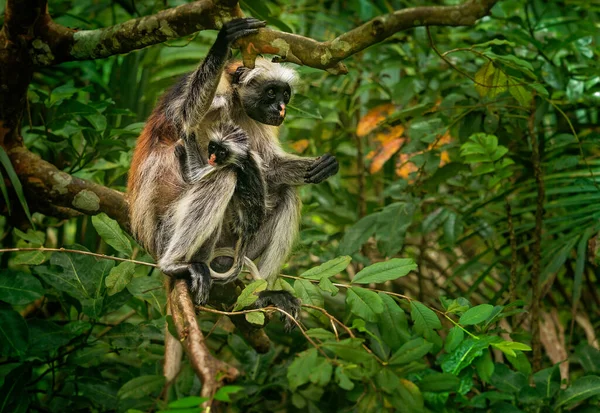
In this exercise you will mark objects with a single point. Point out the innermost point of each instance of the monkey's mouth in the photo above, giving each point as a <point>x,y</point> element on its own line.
<point>212,161</point>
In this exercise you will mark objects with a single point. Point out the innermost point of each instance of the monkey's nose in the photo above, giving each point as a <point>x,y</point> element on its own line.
<point>282,110</point>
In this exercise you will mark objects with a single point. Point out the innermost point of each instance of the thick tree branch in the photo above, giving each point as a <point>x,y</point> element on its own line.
<point>68,44</point>
<point>46,185</point>
<point>328,55</point>
<point>211,370</point>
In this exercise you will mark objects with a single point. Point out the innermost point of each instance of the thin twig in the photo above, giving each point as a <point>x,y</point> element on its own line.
<point>270,309</point>
<point>346,328</point>
<point>108,257</point>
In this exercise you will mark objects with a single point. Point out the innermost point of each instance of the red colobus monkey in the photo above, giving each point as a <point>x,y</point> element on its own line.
<point>254,100</point>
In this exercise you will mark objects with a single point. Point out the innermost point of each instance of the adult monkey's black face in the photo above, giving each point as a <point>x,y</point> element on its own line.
<point>267,102</point>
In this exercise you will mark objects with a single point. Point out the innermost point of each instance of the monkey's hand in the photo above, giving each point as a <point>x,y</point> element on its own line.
<point>238,28</point>
<point>322,168</point>
<point>282,300</point>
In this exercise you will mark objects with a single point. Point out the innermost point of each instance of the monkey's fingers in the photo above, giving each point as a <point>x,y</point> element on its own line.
<point>321,169</point>
<point>284,301</point>
<point>236,29</point>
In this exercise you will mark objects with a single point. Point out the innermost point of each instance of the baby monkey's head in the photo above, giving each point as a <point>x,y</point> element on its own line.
<point>228,145</point>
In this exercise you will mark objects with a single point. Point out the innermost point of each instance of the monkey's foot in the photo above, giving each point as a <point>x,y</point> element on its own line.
<point>322,168</point>
<point>282,300</point>
<point>199,283</point>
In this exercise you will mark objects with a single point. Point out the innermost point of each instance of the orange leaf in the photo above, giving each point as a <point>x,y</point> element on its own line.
<point>445,139</point>
<point>384,154</point>
<point>444,158</point>
<point>404,167</point>
<point>390,134</point>
<point>300,146</point>
<point>373,118</point>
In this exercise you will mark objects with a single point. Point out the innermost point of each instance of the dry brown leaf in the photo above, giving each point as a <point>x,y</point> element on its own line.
<point>373,118</point>
<point>300,146</point>
<point>404,167</point>
<point>552,334</point>
<point>385,153</point>
<point>390,134</point>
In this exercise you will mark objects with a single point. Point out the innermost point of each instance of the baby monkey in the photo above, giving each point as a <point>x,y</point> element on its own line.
<point>232,189</point>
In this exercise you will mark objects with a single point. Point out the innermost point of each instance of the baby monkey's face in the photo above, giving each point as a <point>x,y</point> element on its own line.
<point>218,154</point>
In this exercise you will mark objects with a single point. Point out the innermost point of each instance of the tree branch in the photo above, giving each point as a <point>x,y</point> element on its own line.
<point>47,185</point>
<point>211,370</point>
<point>328,55</point>
<point>68,44</point>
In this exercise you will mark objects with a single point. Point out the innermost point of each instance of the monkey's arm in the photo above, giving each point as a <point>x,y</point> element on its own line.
<point>193,168</point>
<point>287,169</point>
<point>194,96</point>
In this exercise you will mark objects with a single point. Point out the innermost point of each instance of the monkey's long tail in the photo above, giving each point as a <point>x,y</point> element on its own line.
<point>239,260</point>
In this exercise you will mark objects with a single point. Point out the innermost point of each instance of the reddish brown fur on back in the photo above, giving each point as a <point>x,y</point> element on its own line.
<point>158,131</point>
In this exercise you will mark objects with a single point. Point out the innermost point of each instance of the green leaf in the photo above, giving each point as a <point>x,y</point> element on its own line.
<point>35,238</point>
<point>424,318</point>
<point>439,383</point>
<point>223,393</point>
<point>46,337</point>
<point>364,303</point>
<point>19,288</point>
<point>358,234</point>
<point>455,336</point>
<point>485,366</point>
<point>304,107</point>
<point>141,386</point>
<point>520,93</point>
<point>411,351</point>
<point>495,42</point>
<point>548,380</point>
<point>392,323</point>
<point>483,77</point>
<point>328,286</point>
<point>187,402</point>
<point>342,379</point>
<point>257,318</point>
<point>581,389</point>
<point>509,347</point>
<point>320,333</point>
<point>250,294</point>
<point>349,349</point>
<point>321,374</point>
<point>119,277</point>
<point>29,258</point>
<point>464,355</point>
<point>327,269</point>
<point>80,276</point>
<point>506,380</point>
<point>299,371</point>
<point>112,234</point>
<point>16,184</point>
<point>310,294</point>
<point>14,334</point>
<point>63,92</point>
<point>476,315</point>
<point>385,271</point>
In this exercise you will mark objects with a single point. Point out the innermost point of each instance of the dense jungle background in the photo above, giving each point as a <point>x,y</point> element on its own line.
<point>451,265</point>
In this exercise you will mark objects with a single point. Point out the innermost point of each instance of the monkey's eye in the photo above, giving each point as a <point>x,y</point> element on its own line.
<point>286,96</point>
<point>270,93</point>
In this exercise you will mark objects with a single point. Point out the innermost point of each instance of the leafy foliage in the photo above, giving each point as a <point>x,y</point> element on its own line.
<point>413,263</point>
